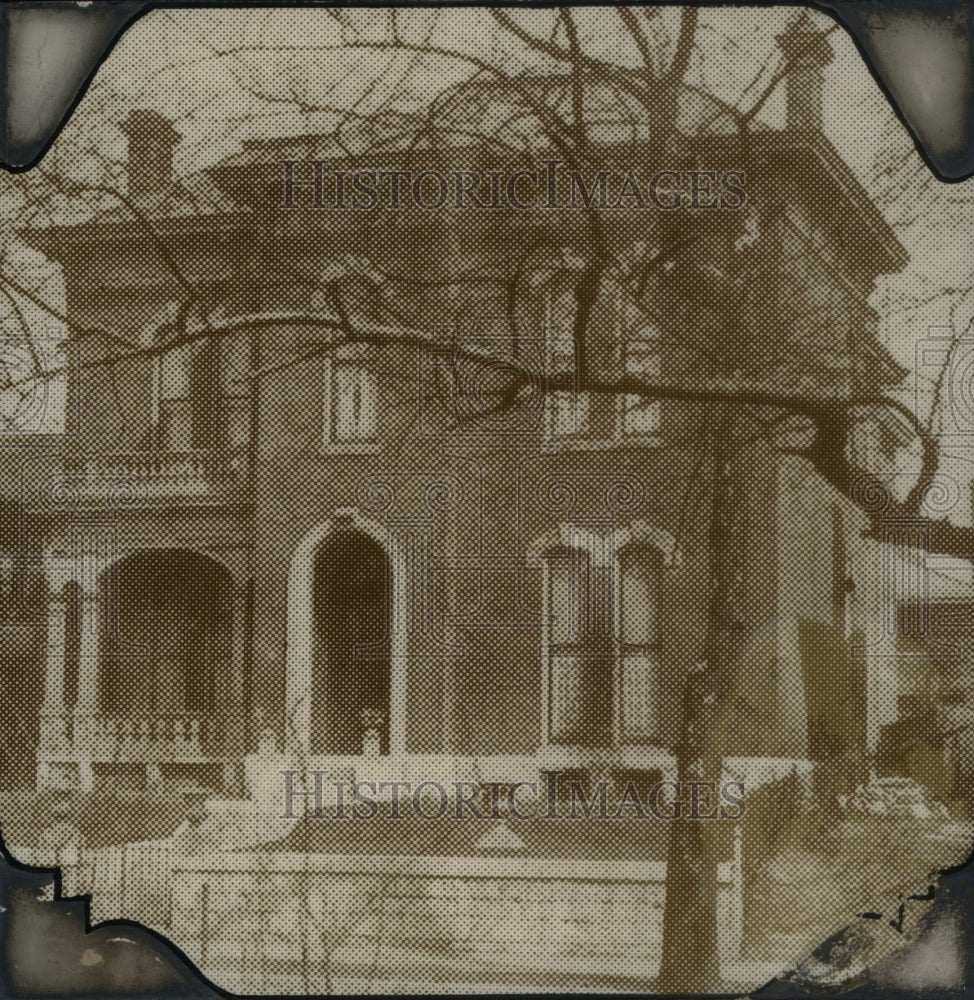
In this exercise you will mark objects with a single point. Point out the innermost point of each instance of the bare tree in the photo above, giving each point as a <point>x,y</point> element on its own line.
<point>545,84</point>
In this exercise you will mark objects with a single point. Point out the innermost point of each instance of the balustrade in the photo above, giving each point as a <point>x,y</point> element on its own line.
<point>158,737</point>
<point>147,474</point>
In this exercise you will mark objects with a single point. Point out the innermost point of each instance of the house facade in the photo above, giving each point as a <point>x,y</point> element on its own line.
<point>264,544</point>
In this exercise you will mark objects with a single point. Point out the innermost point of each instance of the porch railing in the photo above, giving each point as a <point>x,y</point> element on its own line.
<point>176,736</point>
<point>144,475</point>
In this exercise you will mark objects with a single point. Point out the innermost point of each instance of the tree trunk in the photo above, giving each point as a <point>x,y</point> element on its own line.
<point>690,961</point>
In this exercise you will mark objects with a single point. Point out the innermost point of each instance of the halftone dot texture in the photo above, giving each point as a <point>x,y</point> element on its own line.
<point>456,398</point>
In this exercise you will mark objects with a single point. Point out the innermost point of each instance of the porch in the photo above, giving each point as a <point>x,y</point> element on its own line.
<point>217,475</point>
<point>139,750</point>
<point>145,674</point>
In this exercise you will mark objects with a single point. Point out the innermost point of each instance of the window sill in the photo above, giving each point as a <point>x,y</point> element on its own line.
<point>642,757</point>
<point>351,448</point>
<point>606,444</point>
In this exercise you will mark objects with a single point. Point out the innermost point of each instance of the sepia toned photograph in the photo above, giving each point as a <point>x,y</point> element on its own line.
<point>487,507</point>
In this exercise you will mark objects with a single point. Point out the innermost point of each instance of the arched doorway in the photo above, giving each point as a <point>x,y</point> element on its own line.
<point>351,674</point>
<point>166,634</point>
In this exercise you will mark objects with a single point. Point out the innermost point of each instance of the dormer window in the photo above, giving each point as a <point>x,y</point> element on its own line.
<point>350,397</point>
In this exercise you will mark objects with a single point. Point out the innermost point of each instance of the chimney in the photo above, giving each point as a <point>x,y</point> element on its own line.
<point>151,140</point>
<point>806,50</point>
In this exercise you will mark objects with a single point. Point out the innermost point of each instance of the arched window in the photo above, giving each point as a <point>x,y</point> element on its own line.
<point>601,642</point>
<point>579,648</point>
<point>639,576</point>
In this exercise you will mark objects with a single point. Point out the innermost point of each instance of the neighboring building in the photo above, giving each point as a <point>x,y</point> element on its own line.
<point>243,534</point>
<point>932,737</point>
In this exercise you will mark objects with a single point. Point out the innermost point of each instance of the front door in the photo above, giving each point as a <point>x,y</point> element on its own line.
<point>350,692</point>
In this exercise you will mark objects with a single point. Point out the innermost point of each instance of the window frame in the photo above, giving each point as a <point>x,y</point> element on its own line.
<point>362,361</point>
<point>587,545</point>
<point>581,437</point>
<point>226,405</point>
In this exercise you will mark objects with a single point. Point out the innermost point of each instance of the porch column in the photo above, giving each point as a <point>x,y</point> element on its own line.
<point>449,607</point>
<point>88,694</point>
<point>54,656</point>
<point>237,736</point>
<point>410,546</point>
<point>87,703</point>
<point>52,735</point>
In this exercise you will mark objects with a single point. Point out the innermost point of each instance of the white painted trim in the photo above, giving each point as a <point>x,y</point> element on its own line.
<point>330,443</point>
<point>636,532</point>
<point>593,542</point>
<point>300,632</point>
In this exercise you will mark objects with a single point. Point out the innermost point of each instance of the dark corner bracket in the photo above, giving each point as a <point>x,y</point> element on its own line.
<point>921,53</point>
<point>50,53</point>
<point>49,947</point>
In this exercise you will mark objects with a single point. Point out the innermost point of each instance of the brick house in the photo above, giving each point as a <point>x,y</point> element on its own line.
<point>247,542</point>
